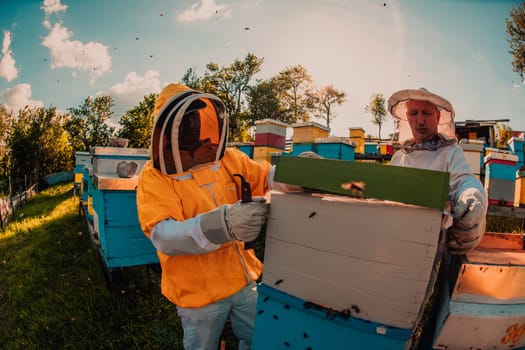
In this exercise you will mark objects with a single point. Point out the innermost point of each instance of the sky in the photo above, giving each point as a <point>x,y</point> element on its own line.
<point>59,52</point>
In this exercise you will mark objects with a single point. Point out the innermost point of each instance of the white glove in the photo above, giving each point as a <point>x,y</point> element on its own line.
<point>241,221</point>
<point>468,225</point>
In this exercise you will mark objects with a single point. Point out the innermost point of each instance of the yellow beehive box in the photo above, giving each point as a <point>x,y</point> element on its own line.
<point>264,153</point>
<point>308,132</point>
<point>357,135</point>
<point>357,132</point>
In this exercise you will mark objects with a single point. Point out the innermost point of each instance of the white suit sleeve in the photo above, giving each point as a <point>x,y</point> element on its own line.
<point>173,237</point>
<point>469,206</point>
<point>461,177</point>
<point>467,196</point>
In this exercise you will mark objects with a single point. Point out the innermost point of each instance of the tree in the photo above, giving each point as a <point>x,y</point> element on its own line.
<point>377,108</point>
<point>293,86</point>
<point>138,122</point>
<point>264,102</point>
<point>230,84</point>
<point>516,38</point>
<point>5,123</point>
<point>38,145</point>
<point>322,101</point>
<point>88,126</point>
<point>191,79</point>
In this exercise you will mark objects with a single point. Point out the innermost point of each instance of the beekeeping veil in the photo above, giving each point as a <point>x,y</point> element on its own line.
<point>183,114</point>
<point>397,106</point>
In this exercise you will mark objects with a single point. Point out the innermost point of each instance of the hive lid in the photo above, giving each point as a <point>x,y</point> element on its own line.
<point>427,188</point>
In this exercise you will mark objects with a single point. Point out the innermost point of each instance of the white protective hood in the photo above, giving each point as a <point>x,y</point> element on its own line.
<point>397,107</point>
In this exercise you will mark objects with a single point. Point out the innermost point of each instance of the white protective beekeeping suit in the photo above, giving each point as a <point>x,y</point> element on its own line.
<point>467,196</point>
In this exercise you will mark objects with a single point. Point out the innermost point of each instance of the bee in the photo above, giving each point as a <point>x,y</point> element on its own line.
<point>356,188</point>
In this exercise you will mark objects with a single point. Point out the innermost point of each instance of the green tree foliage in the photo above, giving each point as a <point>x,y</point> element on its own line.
<point>323,100</point>
<point>516,38</point>
<point>294,83</point>
<point>38,145</point>
<point>138,122</point>
<point>5,154</point>
<point>264,102</point>
<point>88,125</point>
<point>5,125</point>
<point>231,85</point>
<point>377,108</point>
<point>192,80</point>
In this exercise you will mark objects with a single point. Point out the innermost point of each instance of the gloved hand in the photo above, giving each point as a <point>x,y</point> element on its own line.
<point>245,220</point>
<point>468,225</point>
<point>241,221</point>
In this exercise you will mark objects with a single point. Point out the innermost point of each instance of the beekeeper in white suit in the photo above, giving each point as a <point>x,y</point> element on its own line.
<point>428,141</point>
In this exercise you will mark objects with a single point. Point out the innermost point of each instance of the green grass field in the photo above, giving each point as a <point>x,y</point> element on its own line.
<point>53,292</point>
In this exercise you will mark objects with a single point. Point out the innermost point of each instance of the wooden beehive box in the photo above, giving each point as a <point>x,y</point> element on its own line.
<point>122,241</point>
<point>82,159</point>
<point>308,132</point>
<point>269,132</point>
<point>486,309</point>
<point>115,218</point>
<point>106,159</point>
<point>374,253</point>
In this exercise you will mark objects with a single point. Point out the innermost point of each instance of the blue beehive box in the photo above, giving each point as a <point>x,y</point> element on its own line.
<point>371,148</point>
<point>244,147</point>
<point>299,148</point>
<point>85,188</point>
<point>82,159</point>
<point>87,192</point>
<point>516,145</point>
<point>335,150</point>
<point>501,166</point>
<point>115,217</point>
<point>247,149</point>
<point>500,177</point>
<point>283,321</point>
<point>326,149</point>
<point>121,239</point>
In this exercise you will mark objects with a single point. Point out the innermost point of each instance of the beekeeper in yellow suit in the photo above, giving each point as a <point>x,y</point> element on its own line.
<point>189,206</point>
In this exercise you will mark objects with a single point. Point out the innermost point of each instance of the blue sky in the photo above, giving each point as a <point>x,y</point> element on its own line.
<point>58,52</point>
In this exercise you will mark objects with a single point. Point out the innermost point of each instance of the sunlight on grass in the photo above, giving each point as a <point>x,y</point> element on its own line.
<point>30,218</point>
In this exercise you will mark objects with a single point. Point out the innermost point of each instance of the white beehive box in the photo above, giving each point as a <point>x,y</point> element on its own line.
<point>106,159</point>
<point>371,257</point>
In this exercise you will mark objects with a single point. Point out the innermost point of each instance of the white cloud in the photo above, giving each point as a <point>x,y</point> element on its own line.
<point>203,10</point>
<point>131,92</point>
<point>135,87</point>
<point>19,97</point>
<point>52,6</point>
<point>8,69</point>
<point>66,53</point>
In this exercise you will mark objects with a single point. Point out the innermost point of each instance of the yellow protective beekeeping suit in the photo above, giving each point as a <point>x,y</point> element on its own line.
<point>196,280</point>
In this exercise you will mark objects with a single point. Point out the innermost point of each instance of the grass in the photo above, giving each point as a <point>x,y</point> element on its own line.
<point>53,292</point>
<point>504,224</point>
